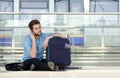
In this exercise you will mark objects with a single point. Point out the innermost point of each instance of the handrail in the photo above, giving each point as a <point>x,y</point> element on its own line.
<point>66,26</point>
<point>11,48</point>
<point>66,13</point>
<point>75,47</point>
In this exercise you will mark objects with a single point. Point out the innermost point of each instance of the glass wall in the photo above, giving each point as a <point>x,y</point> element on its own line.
<point>79,25</point>
<point>95,33</point>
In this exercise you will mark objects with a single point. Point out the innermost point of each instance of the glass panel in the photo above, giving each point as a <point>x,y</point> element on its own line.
<point>61,6</point>
<point>6,20</point>
<point>76,5</point>
<point>76,36</point>
<point>61,20</point>
<point>92,37</point>
<point>39,6</point>
<point>31,6</point>
<point>19,35</point>
<point>24,19</point>
<point>6,37</point>
<point>6,6</point>
<point>112,37</point>
<point>104,5</point>
<point>34,5</point>
<point>61,24</point>
<point>33,10</point>
<point>77,20</point>
<point>103,20</point>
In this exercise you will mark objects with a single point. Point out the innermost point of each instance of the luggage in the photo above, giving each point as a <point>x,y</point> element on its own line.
<point>58,51</point>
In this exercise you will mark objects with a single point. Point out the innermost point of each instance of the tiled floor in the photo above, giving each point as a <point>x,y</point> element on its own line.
<point>61,74</point>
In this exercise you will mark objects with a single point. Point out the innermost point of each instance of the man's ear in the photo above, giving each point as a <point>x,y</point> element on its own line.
<point>32,30</point>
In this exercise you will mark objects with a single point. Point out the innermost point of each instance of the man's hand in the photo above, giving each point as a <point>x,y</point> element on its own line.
<point>33,48</point>
<point>45,43</point>
<point>32,36</point>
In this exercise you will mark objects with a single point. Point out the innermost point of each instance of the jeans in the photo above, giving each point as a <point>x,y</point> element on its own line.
<point>39,64</point>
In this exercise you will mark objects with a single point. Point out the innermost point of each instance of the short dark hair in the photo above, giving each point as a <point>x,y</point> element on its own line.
<point>33,22</point>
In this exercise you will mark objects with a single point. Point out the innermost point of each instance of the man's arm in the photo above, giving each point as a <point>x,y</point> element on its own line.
<point>45,43</point>
<point>33,48</point>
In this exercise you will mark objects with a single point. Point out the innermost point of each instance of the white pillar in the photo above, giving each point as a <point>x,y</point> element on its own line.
<point>51,5</point>
<point>119,5</point>
<point>16,5</point>
<point>16,20</point>
<point>86,10</point>
<point>51,17</point>
<point>86,5</point>
<point>16,9</point>
<point>119,11</point>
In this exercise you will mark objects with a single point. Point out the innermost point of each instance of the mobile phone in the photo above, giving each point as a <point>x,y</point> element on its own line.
<point>35,33</point>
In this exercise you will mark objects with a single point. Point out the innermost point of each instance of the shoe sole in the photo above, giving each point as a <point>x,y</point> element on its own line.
<point>32,66</point>
<point>51,65</point>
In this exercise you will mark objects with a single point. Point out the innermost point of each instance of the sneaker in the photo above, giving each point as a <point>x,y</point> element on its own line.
<point>32,66</point>
<point>51,65</point>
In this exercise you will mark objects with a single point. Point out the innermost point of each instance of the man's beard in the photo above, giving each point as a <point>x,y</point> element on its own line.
<point>37,36</point>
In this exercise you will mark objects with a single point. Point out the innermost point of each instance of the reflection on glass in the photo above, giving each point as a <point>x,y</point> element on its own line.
<point>93,37</point>
<point>111,37</point>
<point>104,5</point>
<point>61,5</point>
<point>103,20</point>
<point>6,6</point>
<point>6,37</point>
<point>76,5</point>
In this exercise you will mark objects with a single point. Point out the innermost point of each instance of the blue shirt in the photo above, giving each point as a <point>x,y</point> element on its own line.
<point>27,44</point>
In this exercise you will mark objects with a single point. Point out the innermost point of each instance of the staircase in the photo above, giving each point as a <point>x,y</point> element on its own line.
<point>91,57</point>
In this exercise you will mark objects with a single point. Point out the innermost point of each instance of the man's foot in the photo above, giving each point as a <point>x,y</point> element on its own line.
<point>52,66</point>
<point>32,66</point>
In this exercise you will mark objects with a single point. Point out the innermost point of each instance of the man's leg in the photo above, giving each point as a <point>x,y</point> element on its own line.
<point>43,65</point>
<point>27,64</point>
<point>36,64</point>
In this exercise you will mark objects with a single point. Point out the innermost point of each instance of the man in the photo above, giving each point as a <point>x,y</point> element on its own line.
<point>34,45</point>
